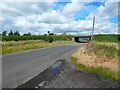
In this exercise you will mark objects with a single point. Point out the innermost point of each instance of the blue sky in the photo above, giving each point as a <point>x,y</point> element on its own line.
<point>60,17</point>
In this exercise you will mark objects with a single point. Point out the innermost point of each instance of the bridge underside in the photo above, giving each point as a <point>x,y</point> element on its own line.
<point>82,39</point>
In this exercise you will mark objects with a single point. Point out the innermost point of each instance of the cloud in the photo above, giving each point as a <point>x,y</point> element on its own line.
<point>53,17</point>
<point>40,17</point>
<point>25,8</point>
<point>72,8</point>
<point>103,15</point>
<point>110,9</point>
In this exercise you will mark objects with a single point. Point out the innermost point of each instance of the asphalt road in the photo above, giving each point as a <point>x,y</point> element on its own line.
<point>20,67</point>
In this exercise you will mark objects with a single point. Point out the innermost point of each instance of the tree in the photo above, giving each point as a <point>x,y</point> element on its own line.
<point>27,34</point>
<point>49,39</point>
<point>17,33</point>
<point>51,33</point>
<point>4,33</point>
<point>48,32</point>
<point>64,33</point>
<point>11,33</point>
<point>45,34</point>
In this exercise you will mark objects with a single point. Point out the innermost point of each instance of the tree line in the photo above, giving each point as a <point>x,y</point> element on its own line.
<point>16,33</point>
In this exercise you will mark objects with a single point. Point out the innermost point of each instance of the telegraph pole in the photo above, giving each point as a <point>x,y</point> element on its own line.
<point>93,27</point>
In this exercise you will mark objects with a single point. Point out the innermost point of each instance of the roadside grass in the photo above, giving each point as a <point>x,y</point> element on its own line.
<point>68,42</point>
<point>108,50</point>
<point>13,46</point>
<point>65,42</point>
<point>106,45</point>
<point>100,71</point>
<point>9,47</point>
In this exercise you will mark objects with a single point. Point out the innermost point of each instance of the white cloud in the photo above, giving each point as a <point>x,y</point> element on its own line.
<point>38,18</point>
<point>103,14</point>
<point>53,17</point>
<point>25,8</point>
<point>110,9</point>
<point>72,8</point>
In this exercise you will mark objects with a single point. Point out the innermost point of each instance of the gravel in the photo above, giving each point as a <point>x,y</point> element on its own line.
<point>72,78</point>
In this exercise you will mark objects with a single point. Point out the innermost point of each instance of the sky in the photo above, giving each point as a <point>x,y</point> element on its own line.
<point>70,17</point>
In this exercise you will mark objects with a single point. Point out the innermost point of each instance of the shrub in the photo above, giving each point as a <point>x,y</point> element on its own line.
<point>50,39</point>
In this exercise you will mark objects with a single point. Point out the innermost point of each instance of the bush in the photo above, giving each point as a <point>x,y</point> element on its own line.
<point>50,40</point>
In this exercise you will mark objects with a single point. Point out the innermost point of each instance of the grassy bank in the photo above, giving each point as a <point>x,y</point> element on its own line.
<point>108,50</point>
<point>100,71</point>
<point>106,45</point>
<point>100,57</point>
<point>13,47</point>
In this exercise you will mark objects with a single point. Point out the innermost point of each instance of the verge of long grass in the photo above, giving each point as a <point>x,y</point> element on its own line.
<point>108,51</point>
<point>100,71</point>
<point>13,47</point>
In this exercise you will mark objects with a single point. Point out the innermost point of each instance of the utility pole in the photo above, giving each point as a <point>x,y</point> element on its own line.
<point>93,27</point>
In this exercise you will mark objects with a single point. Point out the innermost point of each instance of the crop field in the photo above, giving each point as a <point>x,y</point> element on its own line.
<point>41,37</point>
<point>111,38</point>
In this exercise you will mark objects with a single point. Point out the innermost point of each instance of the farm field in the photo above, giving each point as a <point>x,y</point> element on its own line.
<point>40,37</point>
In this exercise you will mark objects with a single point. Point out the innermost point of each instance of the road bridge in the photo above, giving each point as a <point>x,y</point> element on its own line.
<point>80,39</point>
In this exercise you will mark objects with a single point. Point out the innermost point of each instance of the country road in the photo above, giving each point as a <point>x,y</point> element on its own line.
<point>20,67</point>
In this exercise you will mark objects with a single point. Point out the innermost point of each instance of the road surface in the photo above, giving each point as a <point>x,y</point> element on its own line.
<point>20,67</point>
<point>73,78</point>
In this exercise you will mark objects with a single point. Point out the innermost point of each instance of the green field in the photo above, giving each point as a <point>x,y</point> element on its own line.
<point>40,37</point>
<point>111,38</point>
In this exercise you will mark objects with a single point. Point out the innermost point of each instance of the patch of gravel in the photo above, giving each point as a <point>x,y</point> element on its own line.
<point>72,78</point>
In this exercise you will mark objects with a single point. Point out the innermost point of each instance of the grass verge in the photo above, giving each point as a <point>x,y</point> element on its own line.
<point>109,50</point>
<point>65,42</point>
<point>102,72</point>
<point>13,47</point>
<point>9,47</point>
